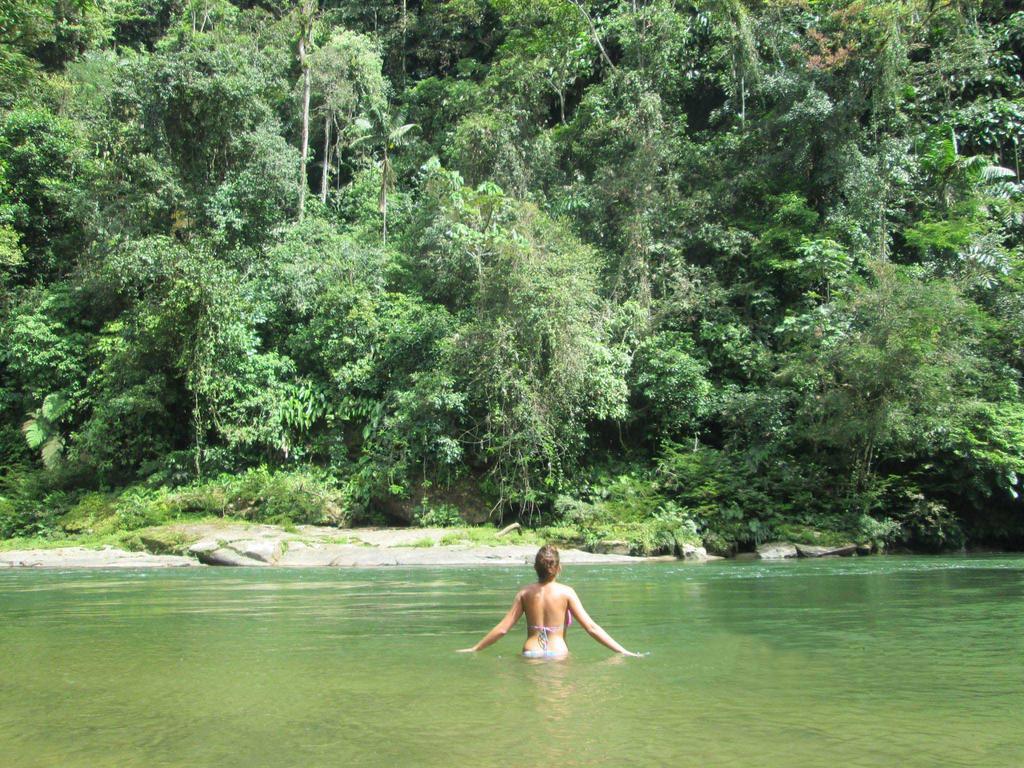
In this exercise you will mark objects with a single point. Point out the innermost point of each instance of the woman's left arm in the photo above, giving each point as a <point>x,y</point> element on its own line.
<point>502,627</point>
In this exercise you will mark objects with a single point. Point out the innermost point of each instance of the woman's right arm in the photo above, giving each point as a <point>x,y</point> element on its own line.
<point>592,627</point>
<point>502,627</point>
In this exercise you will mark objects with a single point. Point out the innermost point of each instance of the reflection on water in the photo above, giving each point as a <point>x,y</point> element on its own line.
<point>859,662</point>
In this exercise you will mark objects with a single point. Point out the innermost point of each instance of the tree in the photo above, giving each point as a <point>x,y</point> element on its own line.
<point>386,131</point>
<point>305,16</point>
<point>349,85</point>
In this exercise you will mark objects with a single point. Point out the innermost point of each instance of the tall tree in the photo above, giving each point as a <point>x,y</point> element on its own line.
<point>306,16</point>
<point>387,131</point>
<point>348,83</point>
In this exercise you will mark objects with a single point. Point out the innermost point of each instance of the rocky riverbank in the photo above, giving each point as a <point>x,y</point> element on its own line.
<point>784,550</point>
<point>304,547</point>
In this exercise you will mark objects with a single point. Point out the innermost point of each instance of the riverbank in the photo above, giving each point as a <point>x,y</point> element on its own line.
<point>307,546</point>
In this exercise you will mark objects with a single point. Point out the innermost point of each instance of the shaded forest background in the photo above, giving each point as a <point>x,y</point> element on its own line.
<point>629,269</point>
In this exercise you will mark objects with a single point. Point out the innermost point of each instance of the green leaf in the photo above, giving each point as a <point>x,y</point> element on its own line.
<point>53,451</point>
<point>35,434</point>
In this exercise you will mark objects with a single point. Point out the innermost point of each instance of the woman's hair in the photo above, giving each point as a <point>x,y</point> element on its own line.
<point>546,563</point>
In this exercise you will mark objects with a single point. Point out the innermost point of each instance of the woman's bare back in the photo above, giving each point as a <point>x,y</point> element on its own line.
<point>547,614</point>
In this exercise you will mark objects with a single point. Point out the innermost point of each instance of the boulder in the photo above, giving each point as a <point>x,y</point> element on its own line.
<point>695,554</point>
<point>776,550</point>
<point>203,546</point>
<point>716,545</point>
<point>811,550</point>
<point>612,547</point>
<point>164,541</point>
<point>241,552</point>
<point>265,550</point>
<point>227,556</point>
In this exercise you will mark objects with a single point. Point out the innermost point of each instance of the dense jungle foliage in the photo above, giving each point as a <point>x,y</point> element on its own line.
<point>638,269</point>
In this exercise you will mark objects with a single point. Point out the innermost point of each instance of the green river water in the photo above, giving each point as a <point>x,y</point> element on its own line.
<point>885,661</point>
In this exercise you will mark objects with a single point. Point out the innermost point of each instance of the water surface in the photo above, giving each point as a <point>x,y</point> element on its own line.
<point>854,662</point>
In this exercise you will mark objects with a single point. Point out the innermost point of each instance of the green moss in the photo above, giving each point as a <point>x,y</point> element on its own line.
<point>165,540</point>
<point>94,513</point>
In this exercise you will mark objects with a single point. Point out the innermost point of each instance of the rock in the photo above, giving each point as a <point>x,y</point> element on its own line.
<point>355,556</point>
<point>715,545</point>
<point>241,552</point>
<point>612,547</point>
<point>264,550</point>
<point>80,557</point>
<point>227,556</point>
<point>299,555</point>
<point>865,549</point>
<point>203,546</point>
<point>810,550</point>
<point>163,542</point>
<point>695,554</point>
<point>776,550</point>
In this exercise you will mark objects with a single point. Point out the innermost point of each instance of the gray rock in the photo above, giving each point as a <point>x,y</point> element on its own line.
<point>204,545</point>
<point>241,552</point>
<point>300,555</point>
<point>264,550</point>
<point>80,557</point>
<point>810,550</point>
<point>695,554</point>
<point>776,550</point>
<point>227,556</point>
<point>611,547</point>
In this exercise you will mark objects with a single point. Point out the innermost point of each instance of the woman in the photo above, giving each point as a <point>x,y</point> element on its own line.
<point>549,608</point>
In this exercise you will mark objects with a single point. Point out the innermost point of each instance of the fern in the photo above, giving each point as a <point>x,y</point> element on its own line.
<point>42,431</point>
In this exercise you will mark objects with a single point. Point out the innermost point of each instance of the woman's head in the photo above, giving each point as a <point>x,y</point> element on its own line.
<point>546,563</point>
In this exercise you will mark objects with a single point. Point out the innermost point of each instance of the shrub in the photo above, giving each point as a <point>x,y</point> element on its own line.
<point>441,516</point>
<point>307,497</point>
<point>630,508</point>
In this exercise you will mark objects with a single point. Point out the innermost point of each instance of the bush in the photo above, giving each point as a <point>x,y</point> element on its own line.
<point>28,505</point>
<point>441,516</point>
<point>881,534</point>
<point>932,526</point>
<point>629,508</point>
<point>307,497</point>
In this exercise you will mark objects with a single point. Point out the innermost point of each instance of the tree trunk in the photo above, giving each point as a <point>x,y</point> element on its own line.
<point>384,195</point>
<point>327,159</point>
<point>303,183</point>
<point>593,32</point>
<point>405,26</point>
<point>743,102</point>
<point>197,425</point>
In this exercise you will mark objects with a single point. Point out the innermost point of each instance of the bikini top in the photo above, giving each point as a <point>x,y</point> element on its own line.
<point>555,627</point>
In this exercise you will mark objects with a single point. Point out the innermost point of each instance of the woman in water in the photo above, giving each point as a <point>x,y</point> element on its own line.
<point>549,609</point>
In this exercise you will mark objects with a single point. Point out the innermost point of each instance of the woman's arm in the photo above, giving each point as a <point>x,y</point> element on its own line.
<point>592,627</point>
<point>502,627</point>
